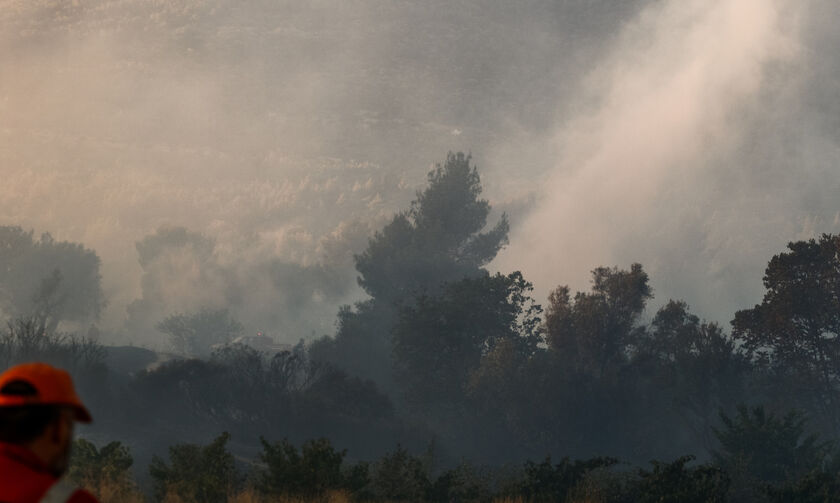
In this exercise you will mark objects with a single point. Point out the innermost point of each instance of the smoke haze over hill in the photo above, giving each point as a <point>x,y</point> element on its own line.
<point>694,137</point>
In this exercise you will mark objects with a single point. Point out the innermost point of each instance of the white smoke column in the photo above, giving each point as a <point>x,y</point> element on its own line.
<point>665,98</point>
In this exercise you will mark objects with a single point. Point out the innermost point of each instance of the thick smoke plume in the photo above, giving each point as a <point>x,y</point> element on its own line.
<point>667,160</point>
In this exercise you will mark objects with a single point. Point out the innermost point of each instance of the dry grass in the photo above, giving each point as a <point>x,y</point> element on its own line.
<point>123,491</point>
<point>251,496</point>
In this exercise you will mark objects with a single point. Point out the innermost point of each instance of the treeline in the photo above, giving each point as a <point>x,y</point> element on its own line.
<point>444,351</point>
<point>762,457</point>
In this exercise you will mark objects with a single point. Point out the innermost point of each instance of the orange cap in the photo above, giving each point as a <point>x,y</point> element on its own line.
<point>53,386</point>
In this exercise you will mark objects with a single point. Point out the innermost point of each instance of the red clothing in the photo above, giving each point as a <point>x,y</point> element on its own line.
<point>25,479</point>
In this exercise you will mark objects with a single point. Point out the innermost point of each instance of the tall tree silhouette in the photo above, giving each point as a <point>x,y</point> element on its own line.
<point>48,280</point>
<point>441,238</point>
<point>795,332</point>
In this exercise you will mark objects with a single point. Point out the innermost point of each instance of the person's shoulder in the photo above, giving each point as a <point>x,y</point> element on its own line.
<point>82,496</point>
<point>63,491</point>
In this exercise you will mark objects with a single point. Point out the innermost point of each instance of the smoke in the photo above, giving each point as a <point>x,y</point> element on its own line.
<point>669,159</point>
<point>699,141</point>
<point>286,132</point>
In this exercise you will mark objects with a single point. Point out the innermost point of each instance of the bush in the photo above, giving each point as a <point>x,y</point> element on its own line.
<point>399,476</point>
<point>27,339</point>
<point>459,484</point>
<point>759,449</point>
<point>105,472</point>
<point>553,482</point>
<point>200,474</point>
<point>816,487</point>
<point>314,470</point>
<point>675,483</point>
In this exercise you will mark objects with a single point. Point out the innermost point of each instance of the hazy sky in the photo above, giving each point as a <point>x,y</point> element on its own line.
<point>695,137</point>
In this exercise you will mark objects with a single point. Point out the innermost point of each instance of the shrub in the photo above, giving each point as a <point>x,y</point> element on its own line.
<point>553,482</point>
<point>759,449</point>
<point>310,472</point>
<point>399,476</point>
<point>105,472</point>
<point>676,483</point>
<point>199,474</point>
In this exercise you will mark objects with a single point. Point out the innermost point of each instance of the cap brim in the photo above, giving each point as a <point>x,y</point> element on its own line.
<point>82,414</point>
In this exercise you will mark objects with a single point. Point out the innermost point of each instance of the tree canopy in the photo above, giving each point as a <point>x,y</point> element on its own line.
<point>47,279</point>
<point>593,331</point>
<point>795,332</point>
<point>439,239</point>
<point>195,334</point>
<point>439,341</point>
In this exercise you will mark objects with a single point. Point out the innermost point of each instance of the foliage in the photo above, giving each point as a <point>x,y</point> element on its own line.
<point>28,339</point>
<point>462,483</point>
<point>593,332</point>
<point>695,364</point>
<point>48,280</point>
<point>440,239</point>
<point>815,487</point>
<point>759,448</point>
<point>317,473</point>
<point>196,334</point>
<point>442,349</point>
<point>795,331</point>
<point>546,481</point>
<point>101,470</point>
<point>440,341</point>
<point>312,471</point>
<point>196,473</point>
<point>583,395</point>
<point>400,476</point>
<point>243,391</point>
<point>362,345</point>
<point>676,483</point>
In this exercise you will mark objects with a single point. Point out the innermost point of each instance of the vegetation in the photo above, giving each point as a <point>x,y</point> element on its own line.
<point>196,334</point>
<point>196,473</point>
<point>48,280</point>
<point>438,240</point>
<point>447,355</point>
<point>104,471</point>
<point>318,472</point>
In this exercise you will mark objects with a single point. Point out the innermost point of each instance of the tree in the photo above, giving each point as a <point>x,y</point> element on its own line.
<point>694,364</point>
<point>106,471</point>
<point>400,476</point>
<point>47,279</point>
<point>758,448</point>
<point>462,483</point>
<point>593,332</point>
<point>584,396</point>
<point>196,473</point>
<point>196,334</point>
<point>180,273</point>
<point>310,471</point>
<point>795,332</point>
<point>439,341</point>
<point>439,239</point>
<point>27,340</point>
